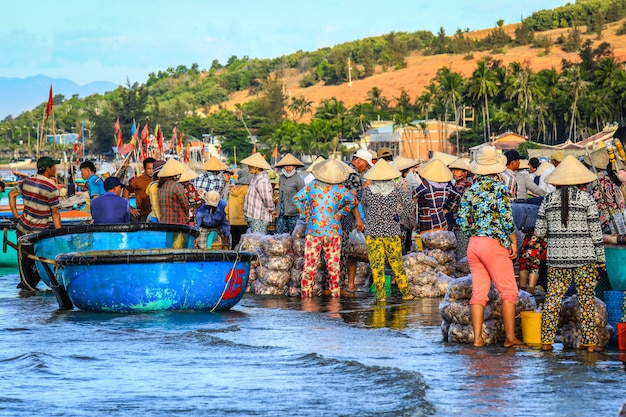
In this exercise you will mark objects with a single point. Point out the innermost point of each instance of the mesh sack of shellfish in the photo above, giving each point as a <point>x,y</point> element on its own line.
<point>258,287</point>
<point>525,302</point>
<point>276,244</point>
<point>441,256</point>
<point>299,232</point>
<point>274,278</point>
<point>462,267</point>
<point>298,245</point>
<point>278,262</point>
<point>363,275</point>
<point>424,291</point>
<point>570,312</point>
<point>572,337</point>
<point>250,242</point>
<point>418,258</point>
<point>459,311</point>
<point>443,283</point>
<point>443,240</point>
<point>447,269</point>
<point>493,332</point>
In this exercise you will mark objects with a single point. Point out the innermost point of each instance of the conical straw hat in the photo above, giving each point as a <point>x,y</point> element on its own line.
<point>188,175</point>
<point>331,171</point>
<point>459,163</point>
<point>488,161</point>
<point>214,164</point>
<point>172,168</point>
<point>600,159</point>
<point>382,171</point>
<point>435,170</point>
<point>317,161</point>
<point>401,163</point>
<point>289,160</point>
<point>570,172</point>
<point>446,158</point>
<point>256,160</point>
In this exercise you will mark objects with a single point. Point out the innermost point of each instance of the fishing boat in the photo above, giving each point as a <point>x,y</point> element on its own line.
<point>8,256</point>
<point>36,251</point>
<point>142,280</point>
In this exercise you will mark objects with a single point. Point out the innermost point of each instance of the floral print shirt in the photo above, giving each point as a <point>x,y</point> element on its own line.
<point>486,210</point>
<point>614,199</point>
<point>323,205</point>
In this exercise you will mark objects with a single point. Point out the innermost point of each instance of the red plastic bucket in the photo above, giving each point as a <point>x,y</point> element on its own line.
<point>621,335</point>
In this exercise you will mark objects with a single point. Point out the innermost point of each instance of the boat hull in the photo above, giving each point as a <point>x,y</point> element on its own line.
<point>46,245</point>
<point>130,281</point>
<point>616,265</point>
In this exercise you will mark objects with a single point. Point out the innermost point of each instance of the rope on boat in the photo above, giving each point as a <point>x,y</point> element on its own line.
<point>231,275</point>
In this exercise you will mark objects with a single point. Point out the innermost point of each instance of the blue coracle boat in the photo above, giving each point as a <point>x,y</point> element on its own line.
<point>36,251</point>
<point>127,281</point>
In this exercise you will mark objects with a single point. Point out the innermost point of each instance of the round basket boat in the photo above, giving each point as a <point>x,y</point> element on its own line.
<point>127,281</point>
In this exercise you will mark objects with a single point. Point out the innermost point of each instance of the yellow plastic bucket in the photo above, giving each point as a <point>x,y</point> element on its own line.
<point>531,327</point>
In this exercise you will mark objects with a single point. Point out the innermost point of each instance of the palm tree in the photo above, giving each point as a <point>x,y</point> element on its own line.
<point>522,89</point>
<point>575,85</point>
<point>299,107</point>
<point>361,112</point>
<point>450,86</point>
<point>483,85</point>
<point>402,119</point>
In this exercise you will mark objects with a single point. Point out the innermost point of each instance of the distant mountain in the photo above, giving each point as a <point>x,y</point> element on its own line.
<point>18,95</point>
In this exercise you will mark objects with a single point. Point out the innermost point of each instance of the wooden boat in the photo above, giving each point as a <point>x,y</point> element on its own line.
<point>8,256</point>
<point>615,252</point>
<point>36,251</point>
<point>142,280</point>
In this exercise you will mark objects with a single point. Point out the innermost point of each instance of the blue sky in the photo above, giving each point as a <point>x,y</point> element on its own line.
<point>112,40</point>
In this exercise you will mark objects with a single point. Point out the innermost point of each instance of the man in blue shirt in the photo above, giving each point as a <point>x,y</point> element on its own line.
<point>95,187</point>
<point>110,208</point>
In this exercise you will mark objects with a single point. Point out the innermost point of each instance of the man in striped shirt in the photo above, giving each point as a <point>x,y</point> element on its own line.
<point>41,199</point>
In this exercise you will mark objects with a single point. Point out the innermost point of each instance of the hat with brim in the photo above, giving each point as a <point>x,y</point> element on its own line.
<point>364,155</point>
<point>599,159</point>
<point>384,152</point>
<point>557,156</point>
<point>542,168</point>
<point>446,158</point>
<point>459,163</point>
<point>381,171</point>
<point>332,171</point>
<point>488,161</point>
<point>256,160</point>
<point>570,172</point>
<point>172,168</point>
<point>317,161</point>
<point>157,166</point>
<point>435,170</point>
<point>401,163</point>
<point>46,162</point>
<point>214,164</point>
<point>188,175</point>
<point>289,160</point>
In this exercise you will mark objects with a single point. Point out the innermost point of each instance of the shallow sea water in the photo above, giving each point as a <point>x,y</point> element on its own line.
<point>274,356</point>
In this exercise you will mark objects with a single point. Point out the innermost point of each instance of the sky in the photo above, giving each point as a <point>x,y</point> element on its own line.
<point>116,40</point>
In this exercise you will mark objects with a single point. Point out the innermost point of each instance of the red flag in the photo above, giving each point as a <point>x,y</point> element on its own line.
<point>180,139</point>
<point>50,104</point>
<point>173,142</point>
<point>254,148</point>
<point>275,153</point>
<point>145,134</point>
<point>159,136</point>
<point>119,139</point>
<point>117,125</point>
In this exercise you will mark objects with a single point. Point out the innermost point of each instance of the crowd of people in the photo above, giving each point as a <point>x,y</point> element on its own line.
<point>505,212</point>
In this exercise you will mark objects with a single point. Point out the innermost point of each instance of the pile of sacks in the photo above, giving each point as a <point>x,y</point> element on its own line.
<point>279,268</point>
<point>457,322</point>
<point>441,246</point>
<point>571,333</point>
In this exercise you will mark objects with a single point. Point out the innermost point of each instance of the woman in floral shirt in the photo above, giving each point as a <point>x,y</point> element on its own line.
<point>485,215</point>
<point>384,204</point>
<point>322,203</point>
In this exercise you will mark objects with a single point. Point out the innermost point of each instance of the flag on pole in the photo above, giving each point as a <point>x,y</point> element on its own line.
<point>145,134</point>
<point>119,139</point>
<point>50,104</point>
<point>179,148</point>
<point>159,137</point>
<point>173,142</point>
<point>134,131</point>
<point>117,125</point>
<point>275,152</point>
<point>254,148</point>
